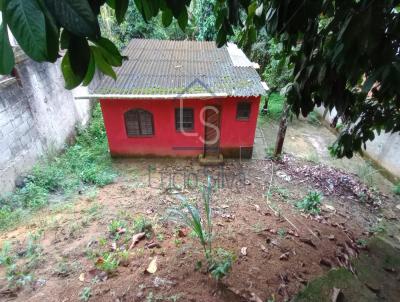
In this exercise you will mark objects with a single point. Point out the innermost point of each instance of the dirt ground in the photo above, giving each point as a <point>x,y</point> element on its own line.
<point>253,208</point>
<point>310,141</point>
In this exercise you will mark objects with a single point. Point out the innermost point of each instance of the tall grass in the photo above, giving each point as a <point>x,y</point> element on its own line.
<point>84,164</point>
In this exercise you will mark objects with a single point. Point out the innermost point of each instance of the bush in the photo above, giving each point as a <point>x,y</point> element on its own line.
<point>275,105</point>
<point>311,203</point>
<point>396,189</point>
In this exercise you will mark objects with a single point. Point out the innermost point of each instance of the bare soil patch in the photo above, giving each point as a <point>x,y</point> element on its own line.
<point>286,248</point>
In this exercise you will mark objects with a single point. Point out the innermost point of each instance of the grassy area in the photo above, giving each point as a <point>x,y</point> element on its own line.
<point>83,165</point>
<point>275,106</point>
<point>396,189</point>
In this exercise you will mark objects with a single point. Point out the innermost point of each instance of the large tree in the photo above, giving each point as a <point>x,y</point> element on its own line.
<point>345,53</point>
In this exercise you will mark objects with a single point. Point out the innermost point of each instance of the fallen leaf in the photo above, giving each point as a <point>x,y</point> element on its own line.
<point>255,298</point>
<point>82,277</point>
<point>121,231</point>
<point>152,268</point>
<point>99,261</point>
<point>284,256</point>
<point>136,238</point>
<point>243,251</point>
<point>152,245</point>
<point>263,248</point>
<point>183,233</point>
<point>308,241</point>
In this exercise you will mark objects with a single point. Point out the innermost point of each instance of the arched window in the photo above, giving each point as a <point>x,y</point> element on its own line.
<point>139,122</point>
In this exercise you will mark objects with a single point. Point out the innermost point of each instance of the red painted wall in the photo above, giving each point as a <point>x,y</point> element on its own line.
<point>166,140</point>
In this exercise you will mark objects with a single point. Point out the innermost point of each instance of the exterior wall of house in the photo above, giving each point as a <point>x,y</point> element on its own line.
<point>237,137</point>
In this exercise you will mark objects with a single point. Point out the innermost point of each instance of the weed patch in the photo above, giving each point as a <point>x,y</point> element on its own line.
<point>311,203</point>
<point>396,189</point>
<point>83,165</point>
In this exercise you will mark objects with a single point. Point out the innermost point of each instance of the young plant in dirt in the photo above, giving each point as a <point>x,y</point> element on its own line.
<point>142,225</point>
<point>311,203</point>
<point>85,294</point>
<point>116,228</point>
<point>218,264</point>
<point>108,263</point>
<point>396,189</point>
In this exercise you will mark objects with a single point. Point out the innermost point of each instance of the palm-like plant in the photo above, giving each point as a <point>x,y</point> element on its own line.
<point>190,215</point>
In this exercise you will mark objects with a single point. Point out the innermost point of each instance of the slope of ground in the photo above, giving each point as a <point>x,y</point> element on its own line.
<point>63,253</point>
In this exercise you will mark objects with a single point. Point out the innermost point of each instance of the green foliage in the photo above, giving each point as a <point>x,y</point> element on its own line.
<point>85,164</point>
<point>281,232</point>
<point>366,172</point>
<point>319,38</point>
<point>6,256</point>
<point>189,214</point>
<point>85,294</point>
<point>203,20</point>
<point>396,189</point>
<point>219,262</point>
<point>278,72</point>
<point>275,106</point>
<point>222,264</point>
<point>141,224</point>
<point>311,203</point>
<point>135,27</point>
<point>109,263</point>
<point>115,226</point>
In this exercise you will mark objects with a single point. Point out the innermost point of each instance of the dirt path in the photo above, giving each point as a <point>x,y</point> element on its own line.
<point>310,141</point>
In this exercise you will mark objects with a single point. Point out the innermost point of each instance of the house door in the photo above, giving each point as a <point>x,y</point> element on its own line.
<point>212,130</point>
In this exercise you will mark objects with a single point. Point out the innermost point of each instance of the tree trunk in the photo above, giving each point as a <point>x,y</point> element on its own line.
<point>280,138</point>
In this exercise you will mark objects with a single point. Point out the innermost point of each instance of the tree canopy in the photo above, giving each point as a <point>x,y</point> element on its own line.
<point>344,53</point>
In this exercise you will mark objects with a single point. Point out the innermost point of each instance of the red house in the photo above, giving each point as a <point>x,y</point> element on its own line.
<point>181,98</point>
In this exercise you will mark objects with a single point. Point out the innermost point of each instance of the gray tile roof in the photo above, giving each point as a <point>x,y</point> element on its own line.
<point>180,67</point>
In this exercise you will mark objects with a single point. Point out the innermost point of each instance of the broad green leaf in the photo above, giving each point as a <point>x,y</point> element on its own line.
<point>64,39</point>
<point>7,60</point>
<point>27,23</point>
<point>53,43</point>
<point>79,55</point>
<point>111,3</point>
<point>76,16</point>
<point>110,51</point>
<point>101,63</point>
<point>148,8</point>
<point>183,19</point>
<point>71,79</point>
<point>52,33</point>
<point>90,72</point>
<point>167,17</point>
<point>121,6</point>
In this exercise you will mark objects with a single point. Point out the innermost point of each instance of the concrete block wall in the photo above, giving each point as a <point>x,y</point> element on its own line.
<point>384,150</point>
<point>37,115</point>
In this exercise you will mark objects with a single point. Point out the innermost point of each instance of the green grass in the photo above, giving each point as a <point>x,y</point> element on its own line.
<point>396,189</point>
<point>311,203</point>
<point>83,165</point>
<point>275,106</point>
